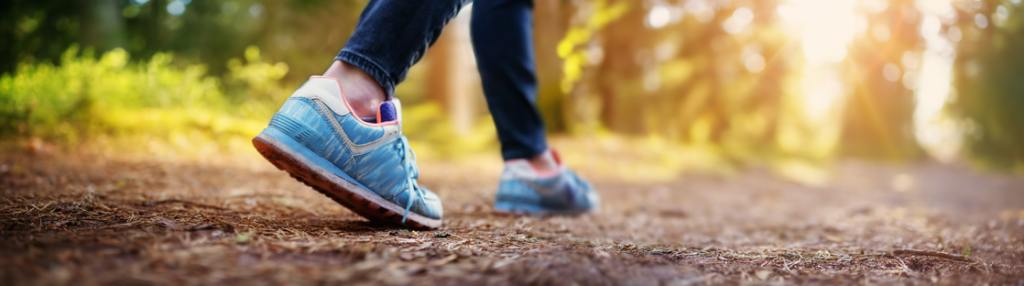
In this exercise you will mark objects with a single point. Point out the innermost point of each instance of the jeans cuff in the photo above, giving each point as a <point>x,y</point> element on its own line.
<point>370,67</point>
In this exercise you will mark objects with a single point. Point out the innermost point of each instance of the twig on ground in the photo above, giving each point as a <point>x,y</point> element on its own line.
<point>183,202</point>
<point>932,254</point>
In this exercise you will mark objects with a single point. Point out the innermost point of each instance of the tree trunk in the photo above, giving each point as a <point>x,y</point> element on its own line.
<point>451,66</point>
<point>103,28</point>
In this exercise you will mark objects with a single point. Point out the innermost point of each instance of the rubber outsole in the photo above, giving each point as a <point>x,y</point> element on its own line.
<point>363,202</point>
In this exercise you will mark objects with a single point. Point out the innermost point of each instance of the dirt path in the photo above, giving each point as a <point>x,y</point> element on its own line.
<point>86,219</point>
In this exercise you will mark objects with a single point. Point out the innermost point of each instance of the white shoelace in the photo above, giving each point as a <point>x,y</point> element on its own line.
<point>414,190</point>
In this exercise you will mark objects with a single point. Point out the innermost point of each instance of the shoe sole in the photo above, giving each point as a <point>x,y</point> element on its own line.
<point>302,164</point>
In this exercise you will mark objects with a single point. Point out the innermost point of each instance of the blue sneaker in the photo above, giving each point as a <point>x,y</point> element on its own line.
<point>523,191</point>
<point>367,167</point>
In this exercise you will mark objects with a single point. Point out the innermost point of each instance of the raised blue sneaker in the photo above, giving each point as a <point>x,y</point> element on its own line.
<point>367,167</point>
<point>522,190</point>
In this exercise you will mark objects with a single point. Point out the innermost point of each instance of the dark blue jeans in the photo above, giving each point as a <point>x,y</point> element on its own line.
<point>392,35</point>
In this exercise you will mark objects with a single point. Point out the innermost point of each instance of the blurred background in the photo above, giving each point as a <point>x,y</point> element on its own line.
<point>661,85</point>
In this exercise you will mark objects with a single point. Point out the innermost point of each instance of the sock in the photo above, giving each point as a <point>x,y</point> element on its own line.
<point>387,111</point>
<point>551,159</point>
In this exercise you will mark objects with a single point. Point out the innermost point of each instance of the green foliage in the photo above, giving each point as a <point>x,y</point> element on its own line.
<point>572,48</point>
<point>990,92</point>
<point>86,96</point>
<point>260,80</point>
<point>300,32</point>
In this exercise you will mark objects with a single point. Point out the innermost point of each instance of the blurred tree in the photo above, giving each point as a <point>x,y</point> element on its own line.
<point>579,49</point>
<point>987,77</point>
<point>551,20</point>
<point>102,27</point>
<point>880,73</point>
<point>702,72</point>
<point>38,30</point>
<point>452,69</point>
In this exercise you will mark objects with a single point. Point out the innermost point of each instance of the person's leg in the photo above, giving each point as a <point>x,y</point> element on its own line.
<point>391,36</point>
<point>319,137</point>
<point>533,181</point>
<point>502,33</point>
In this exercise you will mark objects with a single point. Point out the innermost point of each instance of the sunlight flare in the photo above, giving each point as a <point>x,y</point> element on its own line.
<point>935,130</point>
<point>824,29</point>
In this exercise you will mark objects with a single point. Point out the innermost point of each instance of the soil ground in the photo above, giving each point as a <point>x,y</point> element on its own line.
<point>90,219</point>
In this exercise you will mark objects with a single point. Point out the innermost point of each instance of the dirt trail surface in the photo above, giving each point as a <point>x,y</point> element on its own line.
<point>81,219</point>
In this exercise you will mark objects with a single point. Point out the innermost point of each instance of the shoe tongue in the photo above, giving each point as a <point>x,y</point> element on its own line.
<point>387,112</point>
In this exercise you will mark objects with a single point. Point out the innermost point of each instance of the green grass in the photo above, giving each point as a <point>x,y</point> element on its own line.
<point>85,96</point>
